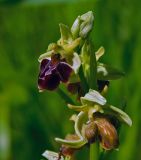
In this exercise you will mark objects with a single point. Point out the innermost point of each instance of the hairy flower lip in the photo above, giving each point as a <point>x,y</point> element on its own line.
<point>53,72</point>
<point>107,133</point>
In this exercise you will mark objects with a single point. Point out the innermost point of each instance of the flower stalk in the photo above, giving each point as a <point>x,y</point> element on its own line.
<point>73,62</point>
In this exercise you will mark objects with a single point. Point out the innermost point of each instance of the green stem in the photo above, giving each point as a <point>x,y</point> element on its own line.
<point>94,151</point>
<point>66,98</point>
<point>83,81</point>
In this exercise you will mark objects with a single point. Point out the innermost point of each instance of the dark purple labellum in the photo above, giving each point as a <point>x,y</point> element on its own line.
<point>52,72</point>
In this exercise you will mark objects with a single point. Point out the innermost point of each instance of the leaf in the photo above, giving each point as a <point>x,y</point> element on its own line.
<point>50,155</point>
<point>85,58</point>
<point>89,64</point>
<point>99,53</point>
<point>66,35</point>
<point>87,24</point>
<point>93,97</point>
<point>105,72</point>
<point>121,115</point>
<point>93,69</point>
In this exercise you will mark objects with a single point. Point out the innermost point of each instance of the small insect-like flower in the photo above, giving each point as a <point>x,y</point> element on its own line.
<point>100,128</point>
<point>52,72</point>
<point>95,119</point>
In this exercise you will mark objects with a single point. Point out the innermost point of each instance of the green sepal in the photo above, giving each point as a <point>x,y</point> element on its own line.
<point>45,55</point>
<point>78,108</point>
<point>66,35</point>
<point>69,47</point>
<point>105,72</point>
<point>99,53</point>
<point>79,121</point>
<point>71,143</point>
<point>118,113</point>
<point>93,97</point>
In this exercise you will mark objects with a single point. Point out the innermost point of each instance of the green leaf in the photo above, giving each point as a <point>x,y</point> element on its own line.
<point>85,58</point>
<point>89,64</point>
<point>122,116</point>
<point>93,69</point>
<point>105,72</point>
<point>93,97</point>
<point>66,35</point>
<point>87,24</point>
<point>83,81</point>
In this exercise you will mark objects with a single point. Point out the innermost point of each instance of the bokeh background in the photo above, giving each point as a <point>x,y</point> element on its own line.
<point>30,120</point>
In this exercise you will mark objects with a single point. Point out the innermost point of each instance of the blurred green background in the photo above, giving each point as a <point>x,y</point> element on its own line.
<point>30,120</point>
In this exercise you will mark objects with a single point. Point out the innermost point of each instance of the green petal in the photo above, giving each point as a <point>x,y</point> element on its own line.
<point>99,53</point>
<point>105,72</point>
<point>93,97</point>
<point>71,46</point>
<point>45,55</point>
<point>71,143</point>
<point>76,62</point>
<point>50,155</point>
<point>79,121</point>
<point>122,116</point>
<point>78,108</point>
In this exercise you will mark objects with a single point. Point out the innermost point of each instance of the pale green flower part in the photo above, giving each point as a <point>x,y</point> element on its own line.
<point>99,53</point>
<point>80,120</point>
<point>93,102</point>
<point>50,155</point>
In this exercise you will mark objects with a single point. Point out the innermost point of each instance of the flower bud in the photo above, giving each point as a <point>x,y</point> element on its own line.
<point>65,150</point>
<point>91,132</point>
<point>107,134</point>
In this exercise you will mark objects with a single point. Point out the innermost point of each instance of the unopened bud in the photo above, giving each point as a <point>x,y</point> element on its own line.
<point>65,150</point>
